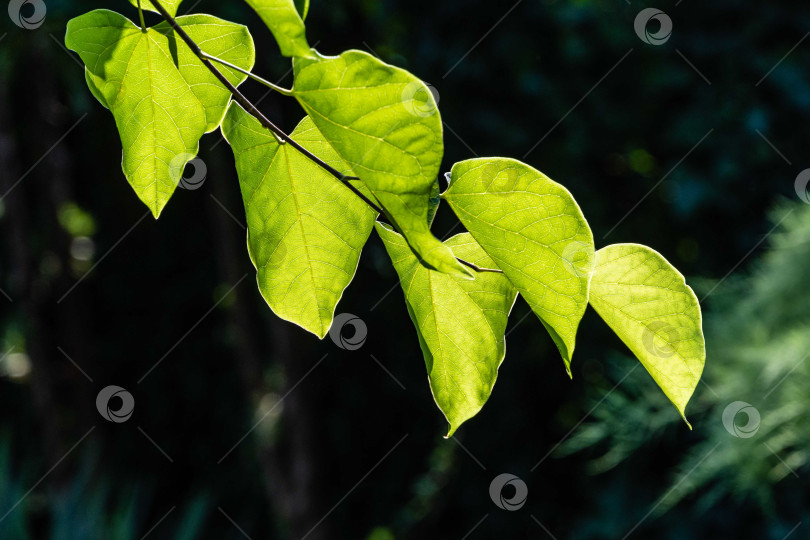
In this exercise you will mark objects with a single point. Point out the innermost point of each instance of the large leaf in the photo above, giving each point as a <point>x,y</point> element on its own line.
<point>646,301</point>
<point>161,95</point>
<point>384,123</point>
<point>535,232</point>
<point>460,323</point>
<point>305,228</point>
<point>286,23</point>
<point>170,5</point>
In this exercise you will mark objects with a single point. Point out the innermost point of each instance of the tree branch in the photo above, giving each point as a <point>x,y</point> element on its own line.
<point>280,135</point>
<point>246,104</point>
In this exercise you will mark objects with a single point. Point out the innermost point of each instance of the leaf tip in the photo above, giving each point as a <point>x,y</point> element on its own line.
<point>682,412</point>
<point>319,330</point>
<point>461,271</point>
<point>322,333</point>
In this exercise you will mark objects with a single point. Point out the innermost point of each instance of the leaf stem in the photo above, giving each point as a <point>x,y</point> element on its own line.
<point>478,268</point>
<point>279,134</point>
<point>253,76</point>
<point>140,14</point>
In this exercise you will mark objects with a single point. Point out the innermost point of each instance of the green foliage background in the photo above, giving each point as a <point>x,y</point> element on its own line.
<point>506,94</point>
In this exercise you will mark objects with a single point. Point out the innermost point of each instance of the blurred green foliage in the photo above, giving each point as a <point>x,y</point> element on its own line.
<point>759,342</point>
<point>90,507</point>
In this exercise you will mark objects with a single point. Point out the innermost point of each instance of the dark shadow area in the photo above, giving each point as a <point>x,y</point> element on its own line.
<point>245,425</point>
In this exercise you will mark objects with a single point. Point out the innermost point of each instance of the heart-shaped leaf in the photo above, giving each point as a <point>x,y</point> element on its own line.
<point>162,97</point>
<point>305,228</point>
<point>535,232</point>
<point>646,301</point>
<point>460,323</point>
<point>384,123</point>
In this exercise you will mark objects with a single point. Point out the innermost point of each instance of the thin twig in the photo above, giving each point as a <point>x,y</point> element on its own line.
<point>280,135</point>
<point>246,104</point>
<point>250,74</point>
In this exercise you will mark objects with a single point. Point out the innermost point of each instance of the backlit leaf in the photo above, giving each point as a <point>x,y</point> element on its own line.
<point>162,97</point>
<point>286,23</point>
<point>305,228</point>
<point>646,301</point>
<point>535,232</point>
<point>460,323</point>
<point>384,123</point>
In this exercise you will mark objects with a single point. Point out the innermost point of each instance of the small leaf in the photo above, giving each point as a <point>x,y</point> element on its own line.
<point>162,97</point>
<point>305,228</point>
<point>460,323</point>
<point>170,5</point>
<point>286,24</point>
<point>384,123</point>
<point>535,232</point>
<point>646,301</point>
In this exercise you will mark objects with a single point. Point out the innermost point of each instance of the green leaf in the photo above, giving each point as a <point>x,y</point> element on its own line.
<point>286,24</point>
<point>162,97</point>
<point>305,228</point>
<point>646,301</point>
<point>170,5</point>
<point>460,323</point>
<point>535,232</point>
<point>384,123</point>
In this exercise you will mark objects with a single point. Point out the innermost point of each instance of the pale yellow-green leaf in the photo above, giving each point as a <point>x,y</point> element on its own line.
<point>384,123</point>
<point>460,323</point>
<point>535,232</point>
<point>162,97</point>
<point>305,228</point>
<point>646,301</point>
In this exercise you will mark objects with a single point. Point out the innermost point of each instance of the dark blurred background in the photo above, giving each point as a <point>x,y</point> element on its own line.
<point>246,426</point>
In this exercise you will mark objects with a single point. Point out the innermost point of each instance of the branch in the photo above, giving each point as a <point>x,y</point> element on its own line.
<point>250,74</point>
<point>280,135</point>
<point>246,104</point>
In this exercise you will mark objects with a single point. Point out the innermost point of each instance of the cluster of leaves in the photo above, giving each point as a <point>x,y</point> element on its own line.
<point>370,147</point>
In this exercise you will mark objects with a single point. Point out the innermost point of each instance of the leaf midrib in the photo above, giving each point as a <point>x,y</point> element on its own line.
<point>304,240</point>
<point>154,117</point>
